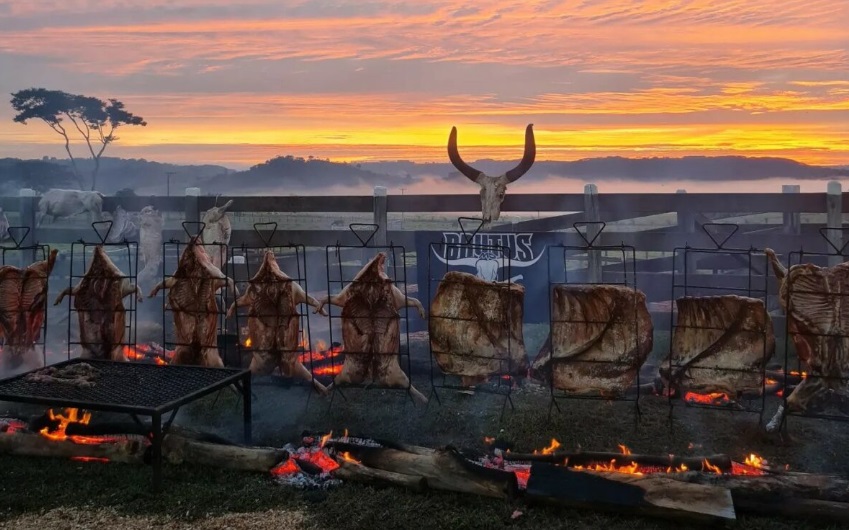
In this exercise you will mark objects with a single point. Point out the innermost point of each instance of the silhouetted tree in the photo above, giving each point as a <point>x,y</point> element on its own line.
<point>96,120</point>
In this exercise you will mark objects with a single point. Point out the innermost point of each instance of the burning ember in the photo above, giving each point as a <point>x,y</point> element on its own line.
<point>148,352</point>
<point>325,360</point>
<point>66,418</point>
<point>310,465</point>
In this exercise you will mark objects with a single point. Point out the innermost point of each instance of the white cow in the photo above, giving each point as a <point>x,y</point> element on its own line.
<point>65,203</point>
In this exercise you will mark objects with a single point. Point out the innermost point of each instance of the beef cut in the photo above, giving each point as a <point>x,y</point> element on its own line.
<point>816,301</point>
<point>99,301</point>
<point>475,328</point>
<point>371,329</point>
<point>719,345</point>
<point>191,298</point>
<point>600,337</point>
<point>274,322</point>
<point>23,305</point>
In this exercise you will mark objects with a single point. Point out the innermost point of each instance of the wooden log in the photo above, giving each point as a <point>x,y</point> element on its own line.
<point>369,475</point>
<point>20,443</point>
<point>723,462</point>
<point>652,495</point>
<point>444,469</point>
<point>179,450</point>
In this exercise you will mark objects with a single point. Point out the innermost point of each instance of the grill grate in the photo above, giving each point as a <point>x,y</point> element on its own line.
<point>122,384</point>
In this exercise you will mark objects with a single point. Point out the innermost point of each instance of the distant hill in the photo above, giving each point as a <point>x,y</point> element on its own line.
<point>285,175</point>
<point>657,169</point>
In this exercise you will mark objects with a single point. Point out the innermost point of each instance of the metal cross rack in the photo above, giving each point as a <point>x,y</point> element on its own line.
<point>821,379</point>
<point>752,327</point>
<point>345,277</point>
<point>244,263</point>
<point>174,249</point>
<point>25,255</point>
<point>126,258</point>
<point>595,365</point>
<point>137,389</point>
<point>493,283</point>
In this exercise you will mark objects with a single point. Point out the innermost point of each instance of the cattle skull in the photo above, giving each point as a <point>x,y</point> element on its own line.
<point>493,189</point>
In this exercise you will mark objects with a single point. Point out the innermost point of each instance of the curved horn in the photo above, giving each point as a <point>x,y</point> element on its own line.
<point>528,158</point>
<point>454,156</point>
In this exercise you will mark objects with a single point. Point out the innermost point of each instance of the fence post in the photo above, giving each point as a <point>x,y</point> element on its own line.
<point>592,215</point>
<point>792,220</point>
<point>27,211</point>
<point>192,205</point>
<point>381,216</point>
<point>687,225</point>
<point>834,219</point>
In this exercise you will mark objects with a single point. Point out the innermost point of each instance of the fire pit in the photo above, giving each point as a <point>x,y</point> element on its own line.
<point>138,389</point>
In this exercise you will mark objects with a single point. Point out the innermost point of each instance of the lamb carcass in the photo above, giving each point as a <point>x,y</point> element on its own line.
<point>720,345</point>
<point>816,301</point>
<point>150,244</point>
<point>475,328</point>
<point>600,337</point>
<point>191,298</point>
<point>216,232</point>
<point>371,328</point>
<point>99,301</point>
<point>274,322</point>
<point>23,304</point>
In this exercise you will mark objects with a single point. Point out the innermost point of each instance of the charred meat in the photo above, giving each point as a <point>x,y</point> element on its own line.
<point>99,301</point>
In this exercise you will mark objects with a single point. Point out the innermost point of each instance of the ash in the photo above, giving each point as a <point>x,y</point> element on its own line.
<point>304,481</point>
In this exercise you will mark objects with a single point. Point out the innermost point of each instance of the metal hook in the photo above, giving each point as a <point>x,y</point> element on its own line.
<point>102,237</point>
<point>18,240</point>
<point>587,224</point>
<point>719,244</point>
<point>468,237</point>
<point>266,241</point>
<point>198,223</point>
<point>831,243</point>
<point>374,226</point>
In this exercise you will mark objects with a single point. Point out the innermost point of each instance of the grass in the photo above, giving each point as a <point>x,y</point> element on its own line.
<point>282,411</point>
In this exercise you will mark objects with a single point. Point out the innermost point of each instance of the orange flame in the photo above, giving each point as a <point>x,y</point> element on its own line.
<point>248,342</point>
<point>488,440</point>
<point>707,466</point>
<point>346,456</point>
<point>324,439</point>
<point>550,449</point>
<point>289,467</point>
<point>630,469</point>
<point>624,449</point>
<point>755,461</point>
<point>89,459</point>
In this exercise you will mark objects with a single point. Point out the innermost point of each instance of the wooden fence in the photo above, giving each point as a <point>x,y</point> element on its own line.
<point>790,233</point>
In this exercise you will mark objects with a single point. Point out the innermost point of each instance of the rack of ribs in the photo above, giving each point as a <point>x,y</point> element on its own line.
<point>274,322</point>
<point>99,301</point>
<point>371,329</point>
<point>600,337</point>
<point>23,305</point>
<point>475,328</point>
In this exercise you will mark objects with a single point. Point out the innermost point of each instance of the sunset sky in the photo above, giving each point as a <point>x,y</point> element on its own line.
<point>237,83</point>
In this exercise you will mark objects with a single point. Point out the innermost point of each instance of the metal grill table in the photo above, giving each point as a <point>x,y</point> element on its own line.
<point>137,389</point>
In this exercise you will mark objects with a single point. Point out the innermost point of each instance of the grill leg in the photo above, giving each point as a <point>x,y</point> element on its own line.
<point>156,455</point>
<point>246,401</point>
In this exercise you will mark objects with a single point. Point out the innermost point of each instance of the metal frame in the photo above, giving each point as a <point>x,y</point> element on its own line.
<point>239,378</point>
<point>221,295</point>
<point>833,251</point>
<point>504,255</point>
<point>746,257</point>
<point>132,256</point>
<point>34,250</point>
<point>299,253</point>
<point>628,255</point>
<point>334,313</point>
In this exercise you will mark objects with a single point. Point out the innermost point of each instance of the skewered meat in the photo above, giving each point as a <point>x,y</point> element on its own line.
<point>99,301</point>
<point>274,321</point>
<point>600,337</point>
<point>150,243</point>
<point>816,300</point>
<point>191,297</point>
<point>216,232</point>
<point>720,345</point>
<point>23,297</point>
<point>475,328</point>
<point>371,328</point>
